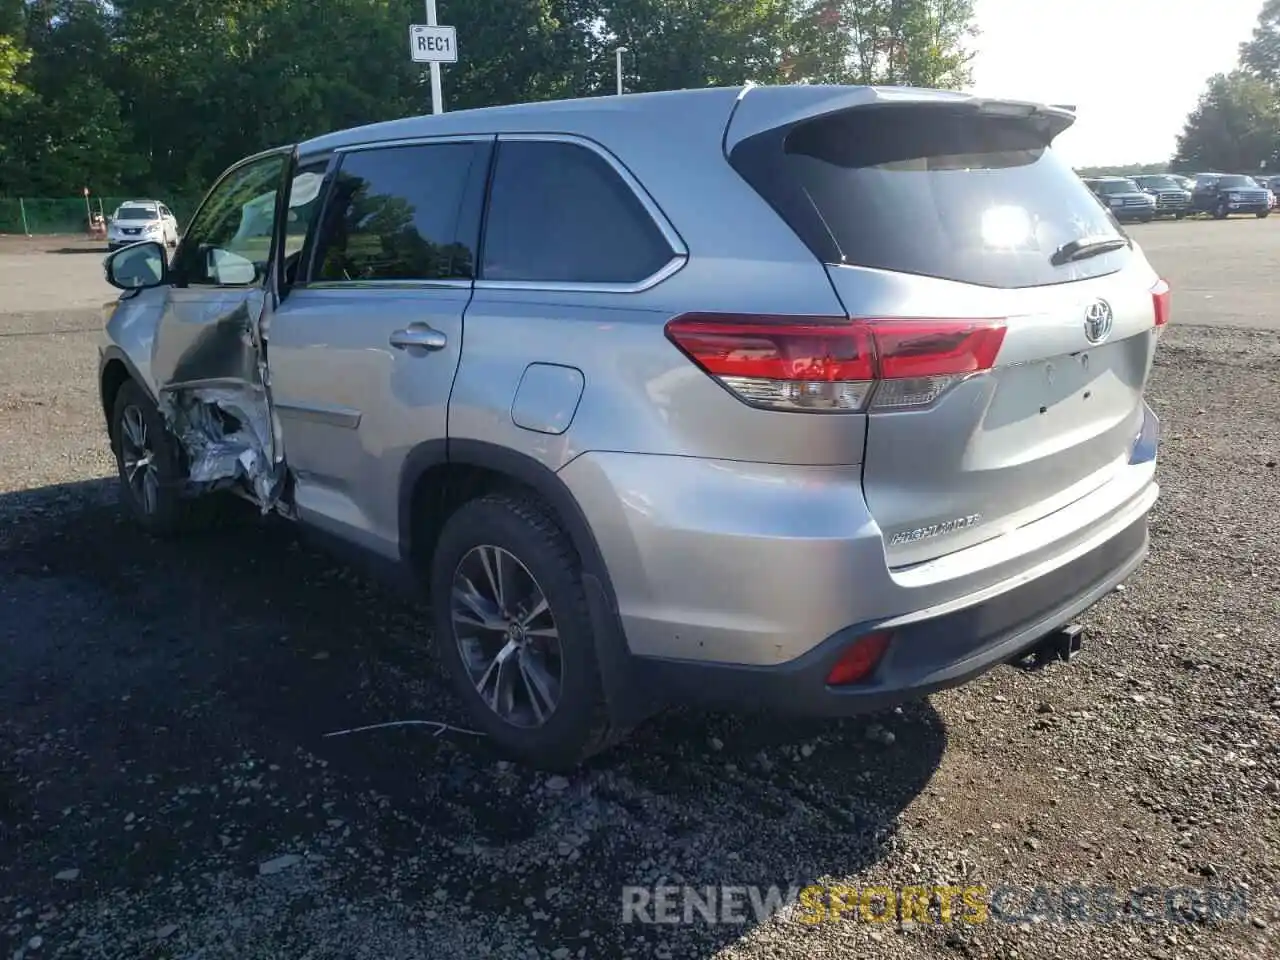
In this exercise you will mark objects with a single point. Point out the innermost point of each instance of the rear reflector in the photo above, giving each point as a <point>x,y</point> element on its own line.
<point>830,364</point>
<point>858,660</point>
<point>1162,298</point>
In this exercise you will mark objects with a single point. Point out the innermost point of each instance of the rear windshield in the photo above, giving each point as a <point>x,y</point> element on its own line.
<point>1237,181</point>
<point>933,191</point>
<point>137,213</point>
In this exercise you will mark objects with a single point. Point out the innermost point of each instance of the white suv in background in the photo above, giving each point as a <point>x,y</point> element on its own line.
<point>142,220</point>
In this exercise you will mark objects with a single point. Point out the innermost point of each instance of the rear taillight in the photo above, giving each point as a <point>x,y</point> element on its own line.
<point>1162,298</point>
<point>833,364</point>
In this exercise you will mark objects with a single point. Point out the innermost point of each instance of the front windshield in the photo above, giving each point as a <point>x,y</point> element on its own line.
<point>137,213</point>
<point>1163,183</point>
<point>1237,181</point>
<point>1118,186</point>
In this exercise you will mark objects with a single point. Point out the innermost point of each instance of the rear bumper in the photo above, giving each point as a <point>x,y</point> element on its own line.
<point>767,566</point>
<point>923,656</point>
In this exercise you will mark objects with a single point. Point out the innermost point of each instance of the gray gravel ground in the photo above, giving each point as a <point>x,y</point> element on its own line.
<point>166,789</point>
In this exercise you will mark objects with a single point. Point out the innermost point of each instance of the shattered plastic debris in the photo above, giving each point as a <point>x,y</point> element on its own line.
<point>215,455</point>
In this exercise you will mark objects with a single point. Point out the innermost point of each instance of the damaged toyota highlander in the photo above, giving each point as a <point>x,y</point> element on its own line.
<point>808,398</point>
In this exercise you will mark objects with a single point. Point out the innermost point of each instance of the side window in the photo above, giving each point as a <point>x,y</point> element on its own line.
<point>393,214</point>
<point>229,242</point>
<point>559,213</point>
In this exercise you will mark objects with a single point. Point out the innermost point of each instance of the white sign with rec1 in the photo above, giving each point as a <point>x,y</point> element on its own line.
<point>433,44</point>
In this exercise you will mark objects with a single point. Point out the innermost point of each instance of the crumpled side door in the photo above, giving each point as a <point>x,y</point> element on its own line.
<point>208,358</point>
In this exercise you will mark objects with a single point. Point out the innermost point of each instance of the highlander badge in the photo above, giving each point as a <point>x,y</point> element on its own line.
<point>935,529</point>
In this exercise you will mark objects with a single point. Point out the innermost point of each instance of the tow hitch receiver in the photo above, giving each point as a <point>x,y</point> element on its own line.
<point>1063,644</point>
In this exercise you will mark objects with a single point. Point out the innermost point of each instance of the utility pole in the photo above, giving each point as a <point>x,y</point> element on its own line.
<point>619,52</point>
<point>437,92</point>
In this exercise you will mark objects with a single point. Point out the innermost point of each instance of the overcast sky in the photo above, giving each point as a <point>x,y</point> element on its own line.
<point>1133,68</point>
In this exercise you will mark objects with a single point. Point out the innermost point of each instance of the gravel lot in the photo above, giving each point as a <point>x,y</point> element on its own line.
<point>166,788</point>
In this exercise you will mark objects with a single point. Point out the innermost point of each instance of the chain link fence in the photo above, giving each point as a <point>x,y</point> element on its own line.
<point>38,216</point>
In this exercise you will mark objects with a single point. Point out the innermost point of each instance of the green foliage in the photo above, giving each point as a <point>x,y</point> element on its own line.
<point>697,43</point>
<point>922,43</point>
<point>12,59</point>
<point>157,97</point>
<point>1235,127</point>
<point>1260,55</point>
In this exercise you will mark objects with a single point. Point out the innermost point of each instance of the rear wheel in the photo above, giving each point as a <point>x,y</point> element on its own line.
<point>511,624</point>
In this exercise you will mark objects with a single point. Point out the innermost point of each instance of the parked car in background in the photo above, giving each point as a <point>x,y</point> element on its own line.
<point>1125,199</point>
<point>773,501</point>
<point>1186,183</point>
<point>1171,199</point>
<point>1223,194</point>
<point>1272,184</point>
<point>141,220</point>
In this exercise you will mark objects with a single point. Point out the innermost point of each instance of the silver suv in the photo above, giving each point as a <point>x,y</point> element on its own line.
<point>811,398</point>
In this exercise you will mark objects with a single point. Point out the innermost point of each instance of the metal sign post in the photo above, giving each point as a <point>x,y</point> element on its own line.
<point>433,44</point>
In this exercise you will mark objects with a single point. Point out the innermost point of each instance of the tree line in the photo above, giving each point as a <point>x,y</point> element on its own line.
<point>158,96</point>
<point>1236,125</point>
<point>1124,170</point>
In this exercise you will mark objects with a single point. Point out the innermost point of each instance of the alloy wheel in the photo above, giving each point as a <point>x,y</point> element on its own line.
<point>137,456</point>
<point>506,636</point>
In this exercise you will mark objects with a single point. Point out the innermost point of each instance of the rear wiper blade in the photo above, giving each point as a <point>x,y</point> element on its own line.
<point>1085,247</point>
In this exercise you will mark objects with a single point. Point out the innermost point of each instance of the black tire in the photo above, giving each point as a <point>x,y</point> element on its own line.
<point>1263,214</point>
<point>578,725</point>
<point>168,513</point>
<point>1179,216</point>
<point>1220,212</point>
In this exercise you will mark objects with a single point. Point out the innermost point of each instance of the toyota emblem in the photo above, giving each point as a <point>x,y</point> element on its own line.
<point>1098,320</point>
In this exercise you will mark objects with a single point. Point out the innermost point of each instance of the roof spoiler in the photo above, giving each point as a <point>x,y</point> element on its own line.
<point>779,108</point>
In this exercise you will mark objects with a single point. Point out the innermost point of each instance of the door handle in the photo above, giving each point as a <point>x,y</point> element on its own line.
<point>419,335</point>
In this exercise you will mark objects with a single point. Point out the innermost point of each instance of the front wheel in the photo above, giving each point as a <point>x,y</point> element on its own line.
<point>511,625</point>
<point>1179,216</point>
<point>148,462</point>
<point>1263,214</point>
<point>1220,212</point>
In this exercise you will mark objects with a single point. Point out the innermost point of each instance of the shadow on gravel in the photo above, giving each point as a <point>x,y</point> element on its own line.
<point>163,711</point>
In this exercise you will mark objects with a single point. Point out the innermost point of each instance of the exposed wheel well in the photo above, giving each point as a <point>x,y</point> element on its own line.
<point>445,487</point>
<point>114,375</point>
